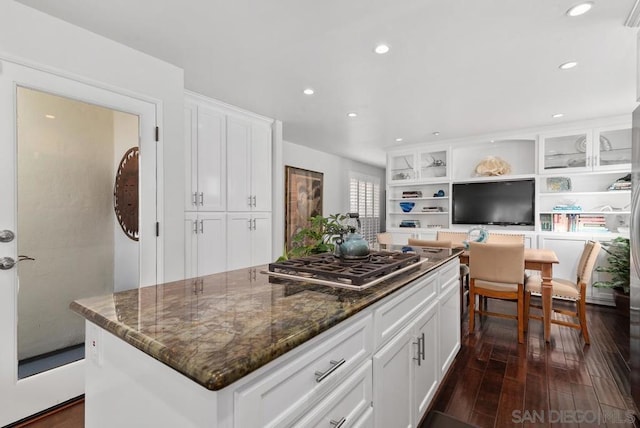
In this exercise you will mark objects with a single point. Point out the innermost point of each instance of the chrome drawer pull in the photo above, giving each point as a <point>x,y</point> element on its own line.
<point>338,424</point>
<point>320,376</point>
<point>418,359</point>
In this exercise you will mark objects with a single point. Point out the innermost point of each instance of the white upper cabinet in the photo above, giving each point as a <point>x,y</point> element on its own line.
<point>248,164</point>
<point>418,165</point>
<point>599,149</point>
<point>205,166</point>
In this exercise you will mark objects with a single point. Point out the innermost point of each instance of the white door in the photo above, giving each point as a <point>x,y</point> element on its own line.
<point>240,229</point>
<point>212,243</point>
<point>261,239</point>
<point>392,389</point>
<point>261,166</point>
<point>62,220</point>
<point>426,375</point>
<point>239,197</point>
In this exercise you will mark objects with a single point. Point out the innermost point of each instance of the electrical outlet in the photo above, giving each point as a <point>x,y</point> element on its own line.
<point>93,345</point>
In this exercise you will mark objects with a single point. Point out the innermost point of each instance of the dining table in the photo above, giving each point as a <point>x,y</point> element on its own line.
<point>542,260</point>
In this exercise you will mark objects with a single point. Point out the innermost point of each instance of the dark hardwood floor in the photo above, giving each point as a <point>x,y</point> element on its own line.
<point>494,382</point>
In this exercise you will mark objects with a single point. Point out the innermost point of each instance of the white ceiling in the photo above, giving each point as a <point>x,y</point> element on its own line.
<point>460,67</point>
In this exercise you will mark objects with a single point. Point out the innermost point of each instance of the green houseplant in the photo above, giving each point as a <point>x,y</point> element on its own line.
<point>618,264</point>
<point>318,237</point>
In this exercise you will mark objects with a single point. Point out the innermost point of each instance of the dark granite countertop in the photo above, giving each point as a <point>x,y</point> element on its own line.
<point>216,329</point>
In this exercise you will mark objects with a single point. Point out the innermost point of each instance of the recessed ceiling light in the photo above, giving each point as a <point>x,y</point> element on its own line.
<point>557,115</point>
<point>580,9</point>
<point>567,65</point>
<point>398,140</point>
<point>381,49</point>
<point>352,114</point>
<point>308,91</point>
<point>436,133</point>
<point>49,116</point>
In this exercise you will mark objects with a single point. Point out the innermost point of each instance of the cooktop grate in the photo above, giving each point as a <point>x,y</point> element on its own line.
<point>328,266</point>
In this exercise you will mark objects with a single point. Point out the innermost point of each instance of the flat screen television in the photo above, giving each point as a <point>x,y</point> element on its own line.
<point>494,202</point>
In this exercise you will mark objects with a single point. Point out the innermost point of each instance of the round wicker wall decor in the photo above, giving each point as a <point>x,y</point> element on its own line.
<point>125,193</point>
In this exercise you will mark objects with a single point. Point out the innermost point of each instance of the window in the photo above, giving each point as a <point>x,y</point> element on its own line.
<point>364,199</point>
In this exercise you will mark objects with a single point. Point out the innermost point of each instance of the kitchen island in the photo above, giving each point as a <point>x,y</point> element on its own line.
<point>243,349</point>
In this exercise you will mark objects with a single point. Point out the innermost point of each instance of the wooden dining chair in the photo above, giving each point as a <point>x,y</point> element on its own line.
<point>428,243</point>
<point>497,271</point>
<point>574,291</point>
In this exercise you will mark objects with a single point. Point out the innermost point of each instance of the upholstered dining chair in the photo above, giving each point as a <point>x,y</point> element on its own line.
<point>565,289</point>
<point>385,239</point>
<point>497,271</point>
<point>428,243</point>
<point>457,240</point>
<point>504,238</point>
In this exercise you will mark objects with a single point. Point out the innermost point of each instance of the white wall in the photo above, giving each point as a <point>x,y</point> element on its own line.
<point>33,38</point>
<point>336,170</point>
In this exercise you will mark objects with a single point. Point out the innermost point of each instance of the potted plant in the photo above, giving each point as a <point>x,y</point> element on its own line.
<point>618,264</point>
<point>318,237</point>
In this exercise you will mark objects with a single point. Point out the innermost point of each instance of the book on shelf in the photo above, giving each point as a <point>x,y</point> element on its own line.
<point>412,194</point>
<point>573,223</point>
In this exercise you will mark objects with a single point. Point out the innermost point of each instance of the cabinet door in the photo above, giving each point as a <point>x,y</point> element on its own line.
<point>568,250</point>
<point>612,148</point>
<point>211,193</point>
<point>190,157</point>
<point>261,166</point>
<point>238,161</point>
<point>401,167</point>
<point>239,231</point>
<point>392,388</point>
<point>212,250</point>
<point>261,239</point>
<point>426,374</point>
<point>433,164</point>
<point>565,152</point>
<point>190,245</point>
<point>449,322</point>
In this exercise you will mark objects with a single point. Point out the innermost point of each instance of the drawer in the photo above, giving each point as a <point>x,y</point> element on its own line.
<point>391,317</point>
<point>283,394</point>
<point>350,401</point>
<point>446,286</point>
<point>450,270</point>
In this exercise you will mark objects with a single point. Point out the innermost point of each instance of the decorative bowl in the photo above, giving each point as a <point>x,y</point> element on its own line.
<point>407,206</point>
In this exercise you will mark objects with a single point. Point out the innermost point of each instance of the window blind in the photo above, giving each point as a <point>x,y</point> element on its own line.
<point>364,199</point>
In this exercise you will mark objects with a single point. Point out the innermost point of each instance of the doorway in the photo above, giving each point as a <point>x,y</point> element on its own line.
<point>62,146</point>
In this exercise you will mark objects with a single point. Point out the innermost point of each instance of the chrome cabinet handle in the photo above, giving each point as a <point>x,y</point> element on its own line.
<point>250,224</point>
<point>194,199</point>
<point>201,226</point>
<point>7,263</point>
<point>201,198</point>
<point>254,224</point>
<point>338,423</point>
<point>418,359</point>
<point>6,236</point>
<point>423,357</point>
<point>254,201</point>
<point>195,227</point>
<point>320,376</point>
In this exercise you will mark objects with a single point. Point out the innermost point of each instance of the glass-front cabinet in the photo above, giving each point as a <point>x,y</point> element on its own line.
<point>421,165</point>
<point>401,167</point>
<point>600,149</point>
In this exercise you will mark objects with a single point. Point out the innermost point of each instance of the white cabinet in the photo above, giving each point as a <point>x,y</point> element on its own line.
<point>593,149</point>
<point>406,373</point>
<point>248,239</point>
<point>205,243</point>
<point>448,316</point>
<point>418,166</point>
<point>205,166</point>
<point>568,249</point>
<point>248,164</point>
